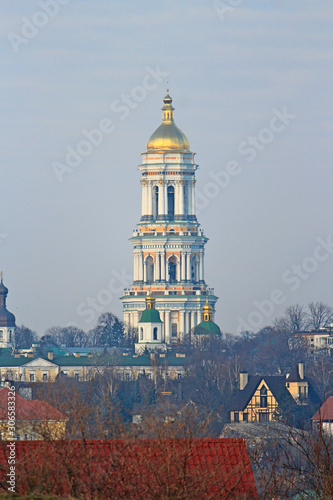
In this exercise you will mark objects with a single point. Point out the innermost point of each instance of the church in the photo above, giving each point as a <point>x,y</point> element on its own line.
<point>168,244</point>
<point>169,300</point>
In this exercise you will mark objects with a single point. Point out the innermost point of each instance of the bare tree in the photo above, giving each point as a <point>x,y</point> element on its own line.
<point>294,320</point>
<point>320,315</point>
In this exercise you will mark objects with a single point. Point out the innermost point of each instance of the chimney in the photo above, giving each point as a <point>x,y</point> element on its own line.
<point>243,380</point>
<point>301,370</point>
<point>50,355</point>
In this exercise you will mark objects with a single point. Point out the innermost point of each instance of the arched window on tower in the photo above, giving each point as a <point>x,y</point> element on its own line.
<point>172,267</point>
<point>155,333</point>
<point>195,269</point>
<point>150,269</point>
<point>141,333</point>
<point>171,202</point>
<point>155,202</point>
<point>1,334</point>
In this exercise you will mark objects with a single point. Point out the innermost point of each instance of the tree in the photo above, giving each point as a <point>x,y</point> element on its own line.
<point>69,336</point>
<point>294,320</point>
<point>320,315</point>
<point>24,337</point>
<point>109,331</point>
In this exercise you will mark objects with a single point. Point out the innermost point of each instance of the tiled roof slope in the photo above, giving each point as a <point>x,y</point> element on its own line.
<point>135,469</point>
<point>28,409</point>
<point>275,383</point>
<point>326,410</point>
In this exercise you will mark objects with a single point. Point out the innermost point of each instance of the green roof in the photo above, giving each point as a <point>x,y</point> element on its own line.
<point>150,316</point>
<point>207,328</point>
<point>66,361</point>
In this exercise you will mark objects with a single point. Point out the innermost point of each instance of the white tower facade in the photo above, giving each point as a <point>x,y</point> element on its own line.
<point>7,319</point>
<point>168,245</point>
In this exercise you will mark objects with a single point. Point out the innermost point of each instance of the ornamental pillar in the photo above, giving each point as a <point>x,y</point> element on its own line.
<point>183,263</point>
<point>193,319</point>
<point>178,270</point>
<point>163,266</point>
<point>161,198</point>
<point>150,199</point>
<point>167,327</point>
<point>181,198</point>
<point>188,266</point>
<point>157,267</point>
<point>182,324</point>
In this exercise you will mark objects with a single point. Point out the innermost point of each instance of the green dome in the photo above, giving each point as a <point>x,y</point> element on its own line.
<point>150,316</point>
<point>207,328</point>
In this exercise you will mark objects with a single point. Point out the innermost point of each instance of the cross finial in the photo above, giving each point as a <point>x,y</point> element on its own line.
<point>1,274</point>
<point>167,84</point>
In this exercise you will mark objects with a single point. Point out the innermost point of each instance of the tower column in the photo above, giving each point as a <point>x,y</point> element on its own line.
<point>165,199</point>
<point>140,263</point>
<point>161,198</point>
<point>193,319</point>
<point>201,266</point>
<point>135,270</point>
<point>188,266</point>
<point>181,198</point>
<point>136,319</point>
<point>145,271</point>
<point>163,266</point>
<point>144,197</point>
<point>167,327</point>
<point>150,200</point>
<point>127,318</point>
<point>186,323</point>
<point>183,263</point>
<point>157,267</point>
<point>178,270</point>
<point>192,198</point>
<point>182,324</point>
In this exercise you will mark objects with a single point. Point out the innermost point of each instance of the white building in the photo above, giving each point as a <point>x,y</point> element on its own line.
<point>168,245</point>
<point>7,319</point>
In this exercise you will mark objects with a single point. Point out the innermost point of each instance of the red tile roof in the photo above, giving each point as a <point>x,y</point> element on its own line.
<point>28,409</point>
<point>325,412</point>
<point>131,469</point>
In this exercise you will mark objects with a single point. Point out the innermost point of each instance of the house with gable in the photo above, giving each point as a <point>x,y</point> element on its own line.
<point>259,397</point>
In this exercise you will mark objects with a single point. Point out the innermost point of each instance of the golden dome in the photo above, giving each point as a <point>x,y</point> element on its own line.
<point>207,311</point>
<point>168,137</point>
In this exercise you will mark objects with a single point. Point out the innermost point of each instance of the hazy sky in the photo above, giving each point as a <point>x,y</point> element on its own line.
<point>252,85</point>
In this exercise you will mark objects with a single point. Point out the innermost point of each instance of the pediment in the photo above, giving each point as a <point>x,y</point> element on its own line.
<point>40,363</point>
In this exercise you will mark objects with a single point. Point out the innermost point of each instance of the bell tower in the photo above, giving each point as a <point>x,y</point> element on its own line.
<point>168,244</point>
<point>7,319</point>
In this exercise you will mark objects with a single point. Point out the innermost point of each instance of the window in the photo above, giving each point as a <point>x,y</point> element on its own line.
<point>236,416</point>
<point>127,376</point>
<point>245,417</point>
<point>172,271</point>
<point>171,202</point>
<point>141,333</point>
<point>174,329</point>
<point>32,377</point>
<point>76,376</point>
<point>179,376</point>
<point>18,438</point>
<point>155,333</point>
<point>150,269</point>
<point>44,377</point>
<point>25,437</point>
<point>1,334</point>
<point>31,437</point>
<point>263,397</point>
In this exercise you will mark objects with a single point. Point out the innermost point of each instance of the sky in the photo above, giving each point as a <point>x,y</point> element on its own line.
<point>251,83</point>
